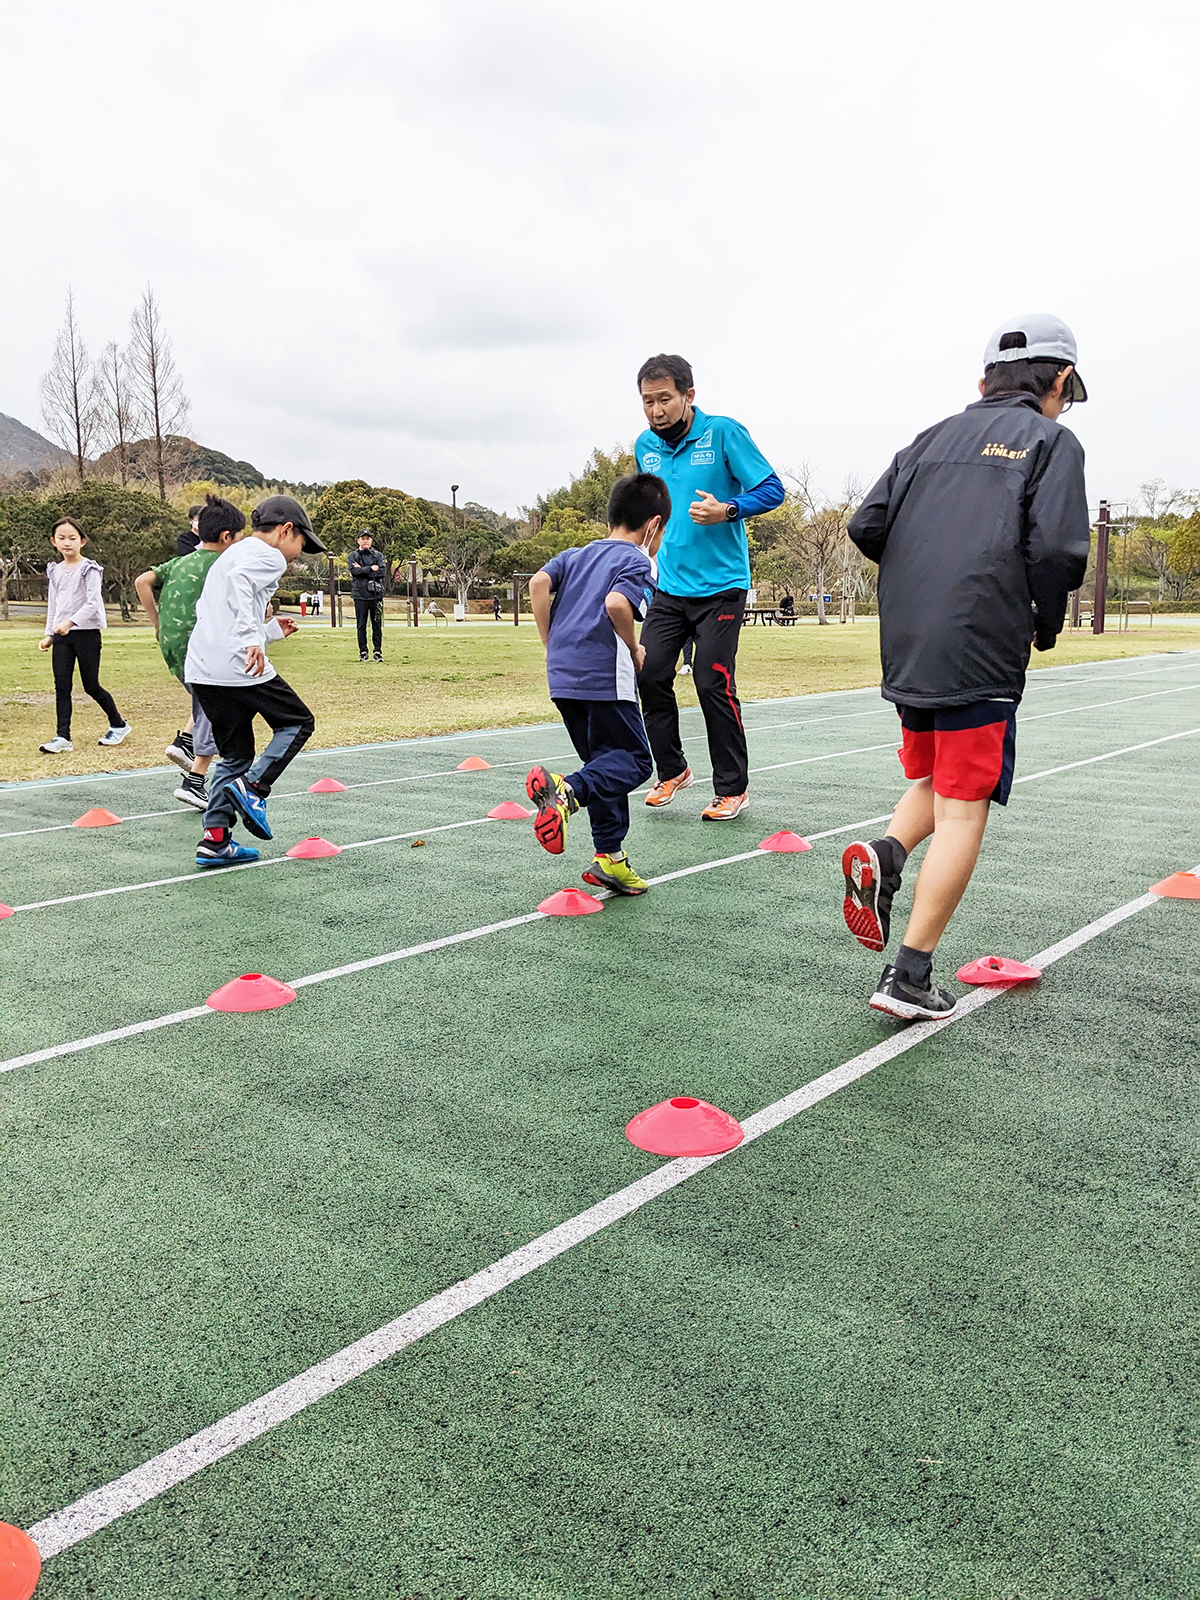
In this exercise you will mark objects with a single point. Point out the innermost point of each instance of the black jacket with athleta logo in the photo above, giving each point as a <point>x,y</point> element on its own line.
<point>980,528</point>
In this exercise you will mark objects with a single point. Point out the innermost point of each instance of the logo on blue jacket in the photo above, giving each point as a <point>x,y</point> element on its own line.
<point>651,463</point>
<point>703,458</point>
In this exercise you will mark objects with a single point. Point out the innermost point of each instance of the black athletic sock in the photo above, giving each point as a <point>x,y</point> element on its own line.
<point>892,855</point>
<point>915,966</point>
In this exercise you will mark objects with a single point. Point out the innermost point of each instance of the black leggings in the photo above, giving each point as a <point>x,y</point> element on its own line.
<point>81,645</point>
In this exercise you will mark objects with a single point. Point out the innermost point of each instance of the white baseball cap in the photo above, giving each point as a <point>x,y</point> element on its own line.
<point>1036,336</point>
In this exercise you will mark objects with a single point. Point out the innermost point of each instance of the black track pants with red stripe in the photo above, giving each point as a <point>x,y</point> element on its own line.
<point>715,621</point>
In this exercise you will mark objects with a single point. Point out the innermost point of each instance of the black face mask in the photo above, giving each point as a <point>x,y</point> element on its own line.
<point>675,432</point>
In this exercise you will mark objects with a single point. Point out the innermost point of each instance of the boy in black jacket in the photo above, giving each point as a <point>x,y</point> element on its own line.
<point>980,529</point>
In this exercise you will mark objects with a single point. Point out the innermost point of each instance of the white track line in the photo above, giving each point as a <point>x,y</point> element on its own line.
<point>1038,677</point>
<point>75,1045</point>
<point>91,1512</point>
<point>362,844</point>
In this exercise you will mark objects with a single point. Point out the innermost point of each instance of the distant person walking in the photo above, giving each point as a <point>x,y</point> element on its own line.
<point>717,477</point>
<point>496,607</point>
<point>74,621</point>
<point>368,568</point>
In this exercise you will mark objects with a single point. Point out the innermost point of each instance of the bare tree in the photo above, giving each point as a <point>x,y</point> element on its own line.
<point>156,381</point>
<point>823,532</point>
<point>69,396</point>
<point>120,413</point>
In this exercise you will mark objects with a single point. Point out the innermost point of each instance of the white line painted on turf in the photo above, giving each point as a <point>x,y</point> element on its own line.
<point>91,1512</point>
<point>1110,755</point>
<point>448,827</point>
<point>473,933</point>
<point>1039,678</point>
<point>202,874</point>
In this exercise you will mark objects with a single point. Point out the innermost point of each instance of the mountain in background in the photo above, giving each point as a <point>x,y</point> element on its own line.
<point>186,462</point>
<point>23,450</point>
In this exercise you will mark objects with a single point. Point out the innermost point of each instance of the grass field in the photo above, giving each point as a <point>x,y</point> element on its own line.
<point>433,680</point>
<point>923,1335</point>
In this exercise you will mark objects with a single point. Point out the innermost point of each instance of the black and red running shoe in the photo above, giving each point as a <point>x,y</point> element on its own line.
<point>555,800</point>
<point>867,907</point>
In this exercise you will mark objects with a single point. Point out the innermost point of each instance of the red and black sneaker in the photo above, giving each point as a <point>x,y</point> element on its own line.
<point>867,907</point>
<point>555,800</point>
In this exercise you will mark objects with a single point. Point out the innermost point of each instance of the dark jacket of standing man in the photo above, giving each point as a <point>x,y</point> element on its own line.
<point>717,477</point>
<point>368,569</point>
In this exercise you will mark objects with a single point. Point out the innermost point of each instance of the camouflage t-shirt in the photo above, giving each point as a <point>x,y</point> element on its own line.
<point>179,582</point>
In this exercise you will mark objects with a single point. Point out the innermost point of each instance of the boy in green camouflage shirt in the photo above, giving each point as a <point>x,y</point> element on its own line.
<point>172,610</point>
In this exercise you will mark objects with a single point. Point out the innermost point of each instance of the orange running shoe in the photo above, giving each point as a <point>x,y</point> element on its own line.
<point>725,807</point>
<point>665,790</point>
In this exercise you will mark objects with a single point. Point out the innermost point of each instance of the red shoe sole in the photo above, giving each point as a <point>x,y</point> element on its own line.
<point>548,829</point>
<point>861,919</point>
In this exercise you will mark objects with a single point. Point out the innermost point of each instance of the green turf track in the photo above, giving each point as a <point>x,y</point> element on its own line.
<point>927,1339</point>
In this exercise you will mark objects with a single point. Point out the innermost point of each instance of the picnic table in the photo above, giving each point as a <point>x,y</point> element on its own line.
<point>767,615</point>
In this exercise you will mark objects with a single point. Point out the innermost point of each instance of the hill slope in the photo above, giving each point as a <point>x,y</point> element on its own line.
<point>23,450</point>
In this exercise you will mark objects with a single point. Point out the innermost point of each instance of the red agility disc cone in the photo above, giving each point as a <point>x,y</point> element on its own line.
<point>570,903</point>
<point>509,811</point>
<point>5,911</point>
<point>313,848</point>
<point>997,971</point>
<point>684,1127</point>
<point>97,817</point>
<point>785,842</point>
<point>327,786</point>
<point>252,992</point>
<point>1179,886</point>
<point>474,764</point>
<point>20,1564</point>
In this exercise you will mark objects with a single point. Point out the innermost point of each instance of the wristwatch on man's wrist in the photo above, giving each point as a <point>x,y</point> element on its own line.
<point>731,511</point>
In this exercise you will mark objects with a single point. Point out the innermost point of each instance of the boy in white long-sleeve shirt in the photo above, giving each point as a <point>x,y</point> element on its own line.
<point>74,621</point>
<point>227,666</point>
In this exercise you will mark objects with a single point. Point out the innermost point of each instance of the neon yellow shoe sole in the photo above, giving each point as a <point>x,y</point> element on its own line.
<point>615,873</point>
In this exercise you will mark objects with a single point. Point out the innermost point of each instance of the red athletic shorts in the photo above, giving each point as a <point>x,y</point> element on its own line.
<point>968,751</point>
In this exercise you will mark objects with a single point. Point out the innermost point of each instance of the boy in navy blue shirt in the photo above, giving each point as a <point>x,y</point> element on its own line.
<point>592,661</point>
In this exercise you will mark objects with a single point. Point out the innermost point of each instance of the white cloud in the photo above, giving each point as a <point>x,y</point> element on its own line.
<point>427,242</point>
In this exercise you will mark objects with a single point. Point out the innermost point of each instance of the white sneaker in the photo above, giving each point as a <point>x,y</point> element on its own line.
<point>685,671</point>
<point>56,746</point>
<point>116,735</point>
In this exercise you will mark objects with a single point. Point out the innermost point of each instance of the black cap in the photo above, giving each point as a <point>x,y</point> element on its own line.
<point>277,508</point>
<point>364,533</point>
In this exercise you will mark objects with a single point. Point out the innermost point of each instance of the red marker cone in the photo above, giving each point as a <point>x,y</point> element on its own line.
<point>509,811</point>
<point>313,848</point>
<point>998,971</point>
<point>786,843</point>
<point>97,817</point>
<point>684,1127</point>
<point>1179,886</point>
<point>5,911</point>
<point>570,903</point>
<point>251,992</point>
<point>20,1564</point>
<point>474,764</point>
<point>327,786</point>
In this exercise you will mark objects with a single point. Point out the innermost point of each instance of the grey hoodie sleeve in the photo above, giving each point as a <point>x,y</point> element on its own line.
<point>1057,535</point>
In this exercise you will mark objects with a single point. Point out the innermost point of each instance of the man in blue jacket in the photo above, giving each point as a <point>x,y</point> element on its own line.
<point>980,528</point>
<point>717,478</point>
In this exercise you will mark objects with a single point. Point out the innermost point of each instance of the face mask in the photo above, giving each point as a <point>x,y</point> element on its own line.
<point>674,433</point>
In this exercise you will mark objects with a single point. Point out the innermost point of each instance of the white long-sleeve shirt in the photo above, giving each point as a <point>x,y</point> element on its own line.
<point>229,614</point>
<point>74,593</point>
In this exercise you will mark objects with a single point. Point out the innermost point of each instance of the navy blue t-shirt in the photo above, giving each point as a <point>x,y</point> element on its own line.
<point>585,660</point>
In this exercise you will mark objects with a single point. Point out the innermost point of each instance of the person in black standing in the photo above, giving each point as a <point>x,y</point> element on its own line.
<point>189,541</point>
<point>368,568</point>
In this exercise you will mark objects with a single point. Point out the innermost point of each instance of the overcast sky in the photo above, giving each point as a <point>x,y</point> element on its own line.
<point>432,243</point>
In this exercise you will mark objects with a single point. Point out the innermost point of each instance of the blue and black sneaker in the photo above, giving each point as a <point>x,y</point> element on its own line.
<point>225,852</point>
<point>252,807</point>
